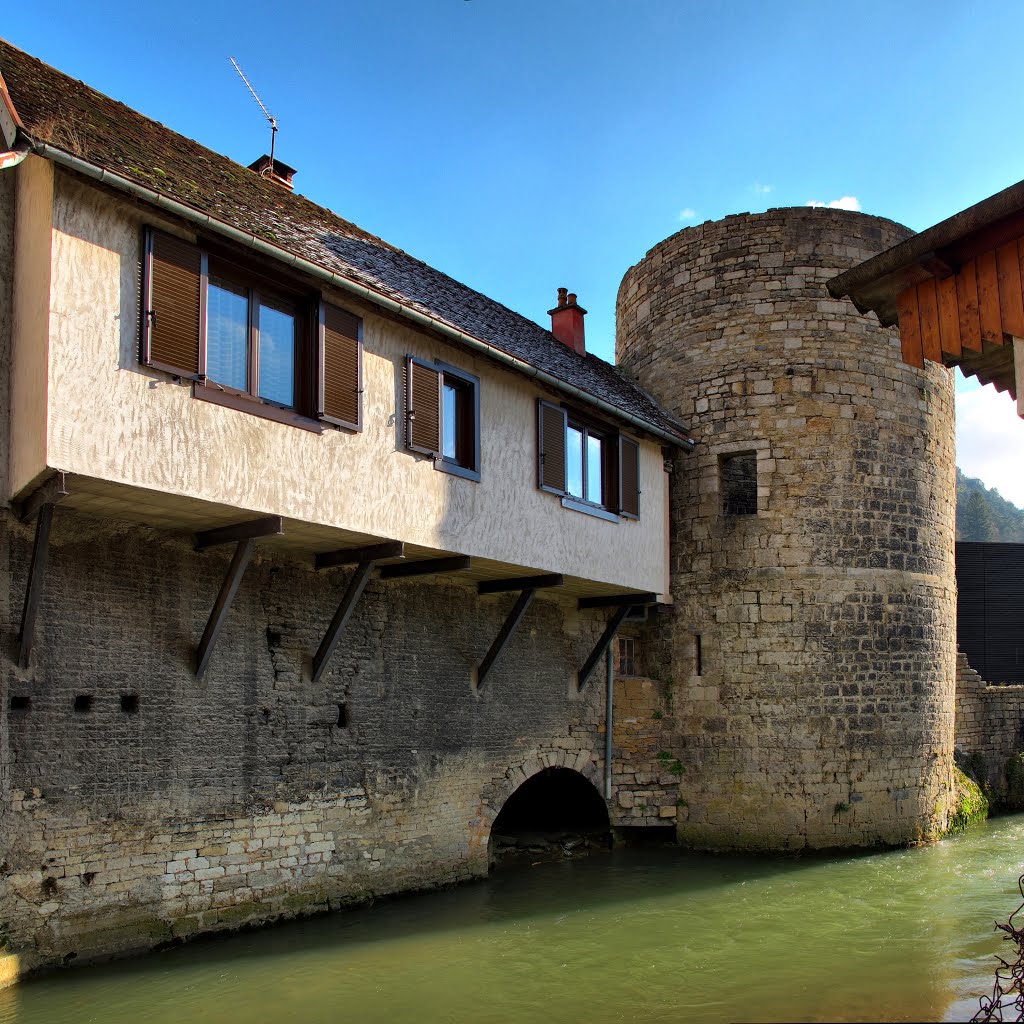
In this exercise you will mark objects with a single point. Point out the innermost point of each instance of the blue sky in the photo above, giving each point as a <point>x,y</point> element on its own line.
<point>521,145</point>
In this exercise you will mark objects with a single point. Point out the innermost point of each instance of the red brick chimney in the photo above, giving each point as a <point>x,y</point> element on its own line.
<point>567,321</point>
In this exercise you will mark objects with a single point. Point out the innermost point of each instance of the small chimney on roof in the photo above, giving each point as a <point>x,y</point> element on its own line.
<point>276,171</point>
<point>567,321</point>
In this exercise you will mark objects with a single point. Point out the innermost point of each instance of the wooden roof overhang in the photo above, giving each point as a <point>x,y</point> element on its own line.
<point>956,291</point>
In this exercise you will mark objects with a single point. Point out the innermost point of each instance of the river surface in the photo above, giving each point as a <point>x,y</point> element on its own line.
<point>634,935</point>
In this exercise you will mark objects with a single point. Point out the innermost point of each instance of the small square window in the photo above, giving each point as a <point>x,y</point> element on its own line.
<point>738,475</point>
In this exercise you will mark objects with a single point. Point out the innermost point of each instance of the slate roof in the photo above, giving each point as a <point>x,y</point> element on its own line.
<point>72,117</point>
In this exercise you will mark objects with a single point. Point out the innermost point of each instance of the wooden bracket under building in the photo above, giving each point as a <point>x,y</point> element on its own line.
<point>245,535</point>
<point>39,506</point>
<point>622,603</point>
<point>364,559</point>
<point>527,586</point>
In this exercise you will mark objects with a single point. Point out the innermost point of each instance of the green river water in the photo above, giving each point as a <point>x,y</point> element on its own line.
<point>634,935</point>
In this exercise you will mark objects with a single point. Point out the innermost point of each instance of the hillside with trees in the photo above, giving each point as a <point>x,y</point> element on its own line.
<point>985,515</point>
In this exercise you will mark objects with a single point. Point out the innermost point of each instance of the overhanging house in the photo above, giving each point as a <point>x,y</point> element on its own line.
<point>313,548</point>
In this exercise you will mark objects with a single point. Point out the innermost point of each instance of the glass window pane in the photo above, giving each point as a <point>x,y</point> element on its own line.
<point>595,491</point>
<point>277,355</point>
<point>227,329</point>
<point>449,420</point>
<point>574,462</point>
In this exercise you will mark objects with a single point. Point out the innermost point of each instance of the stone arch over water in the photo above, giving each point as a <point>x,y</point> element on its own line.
<point>554,809</point>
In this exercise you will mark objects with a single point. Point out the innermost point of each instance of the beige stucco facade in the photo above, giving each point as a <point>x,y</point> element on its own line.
<point>108,418</point>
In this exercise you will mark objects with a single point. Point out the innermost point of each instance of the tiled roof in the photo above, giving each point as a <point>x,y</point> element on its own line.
<point>70,116</point>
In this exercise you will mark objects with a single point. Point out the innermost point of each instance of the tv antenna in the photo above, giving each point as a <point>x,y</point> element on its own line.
<point>266,113</point>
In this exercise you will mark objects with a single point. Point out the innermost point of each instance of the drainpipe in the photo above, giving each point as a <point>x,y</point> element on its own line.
<point>608,725</point>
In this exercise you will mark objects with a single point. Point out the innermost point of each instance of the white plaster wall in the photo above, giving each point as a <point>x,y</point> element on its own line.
<point>32,259</point>
<point>113,420</point>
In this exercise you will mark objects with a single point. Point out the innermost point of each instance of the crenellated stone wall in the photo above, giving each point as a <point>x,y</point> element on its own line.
<point>819,711</point>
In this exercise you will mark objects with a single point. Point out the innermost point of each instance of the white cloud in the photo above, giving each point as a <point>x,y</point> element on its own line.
<point>688,213</point>
<point>845,203</point>
<point>762,190</point>
<point>990,439</point>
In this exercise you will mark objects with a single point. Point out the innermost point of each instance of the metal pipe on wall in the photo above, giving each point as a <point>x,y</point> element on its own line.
<point>608,724</point>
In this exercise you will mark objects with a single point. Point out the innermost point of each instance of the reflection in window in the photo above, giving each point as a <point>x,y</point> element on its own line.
<point>574,462</point>
<point>277,355</point>
<point>595,489</point>
<point>227,330</point>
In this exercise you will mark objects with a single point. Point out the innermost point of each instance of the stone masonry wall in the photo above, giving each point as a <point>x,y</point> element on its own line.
<point>820,709</point>
<point>163,806</point>
<point>989,724</point>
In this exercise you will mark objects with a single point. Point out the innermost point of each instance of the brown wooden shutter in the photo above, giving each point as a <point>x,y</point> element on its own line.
<point>422,407</point>
<point>551,425</point>
<point>340,362</point>
<point>172,318</point>
<point>629,477</point>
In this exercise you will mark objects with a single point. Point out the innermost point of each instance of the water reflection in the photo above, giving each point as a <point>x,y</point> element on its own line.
<point>643,936</point>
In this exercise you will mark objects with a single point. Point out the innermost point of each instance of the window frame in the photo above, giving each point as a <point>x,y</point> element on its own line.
<point>611,505</point>
<point>729,497</point>
<point>257,290</point>
<point>466,384</point>
<point>262,284</point>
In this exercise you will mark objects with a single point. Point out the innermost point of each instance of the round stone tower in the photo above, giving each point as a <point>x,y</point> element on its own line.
<point>813,644</point>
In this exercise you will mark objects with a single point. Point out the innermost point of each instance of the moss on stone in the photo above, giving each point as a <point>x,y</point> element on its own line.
<point>1014,783</point>
<point>969,803</point>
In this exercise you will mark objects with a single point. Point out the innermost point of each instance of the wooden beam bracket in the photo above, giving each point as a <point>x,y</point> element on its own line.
<point>504,635</point>
<point>221,607</point>
<point>34,588</point>
<point>426,567</point>
<point>501,586</point>
<point>353,556</point>
<point>47,493</point>
<point>269,526</point>
<point>354,591</point>
<point>603,644</point>
<point>617,601</point>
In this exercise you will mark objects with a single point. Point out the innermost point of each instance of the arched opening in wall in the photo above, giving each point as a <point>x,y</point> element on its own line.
<point>555,814</point>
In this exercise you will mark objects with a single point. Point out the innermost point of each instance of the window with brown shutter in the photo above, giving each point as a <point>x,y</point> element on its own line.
<point>340,366</point>
<point>593,468</point>
<point>551,428</point>
<point>442,415</point>
<point>629,477</point>
<point>422,407</point>
<point>172,317</point>
<point>249,338</point>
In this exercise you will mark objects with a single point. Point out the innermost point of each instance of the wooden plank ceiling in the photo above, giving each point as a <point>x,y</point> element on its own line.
<point>969,318</point>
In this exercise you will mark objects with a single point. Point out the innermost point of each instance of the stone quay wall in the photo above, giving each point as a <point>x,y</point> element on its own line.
<point>990,730</point>
<point>813,643</point>
<point>142,806</point>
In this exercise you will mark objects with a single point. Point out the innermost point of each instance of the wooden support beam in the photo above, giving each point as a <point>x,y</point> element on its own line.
<point>270,526</point>
<point>222,606</point>
<point>616,600</point>
<point>353,556</point>
<point>353,592</point>
<point>602,645</point>
<point>426,567</point>
<point>48,493</point>
<point>34,589</point>
<point>509,627</point>
<point>520,583</point>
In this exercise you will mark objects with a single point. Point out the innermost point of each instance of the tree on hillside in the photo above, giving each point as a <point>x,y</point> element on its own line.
<point>975,520</point>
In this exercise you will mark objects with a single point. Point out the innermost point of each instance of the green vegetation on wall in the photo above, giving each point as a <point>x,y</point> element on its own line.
<point>969,803</point>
